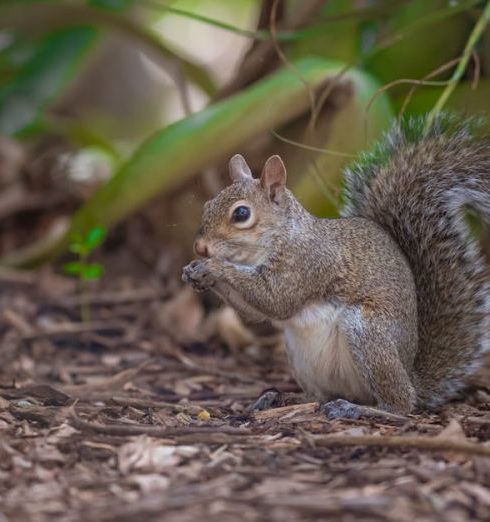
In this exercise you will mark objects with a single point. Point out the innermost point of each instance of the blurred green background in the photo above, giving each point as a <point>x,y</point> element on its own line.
<point>113,107</point>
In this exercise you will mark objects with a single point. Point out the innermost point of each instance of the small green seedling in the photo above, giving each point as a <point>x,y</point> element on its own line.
<point>83,269</point>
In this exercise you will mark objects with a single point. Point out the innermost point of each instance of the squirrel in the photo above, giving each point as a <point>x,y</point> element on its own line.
<point>387,305</point>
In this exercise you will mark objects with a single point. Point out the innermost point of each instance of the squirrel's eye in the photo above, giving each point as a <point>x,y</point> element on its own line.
<point>241,214</point>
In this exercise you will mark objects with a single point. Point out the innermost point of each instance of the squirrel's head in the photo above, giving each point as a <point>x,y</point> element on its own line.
<point>239,223</point>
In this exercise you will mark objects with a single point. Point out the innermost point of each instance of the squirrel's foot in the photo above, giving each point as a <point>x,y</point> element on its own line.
<point>267,399</point>
<point>198,275</point>
<point>342,409</point>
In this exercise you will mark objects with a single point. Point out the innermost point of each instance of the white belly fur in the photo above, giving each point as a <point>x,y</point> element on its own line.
<point>319,355</point>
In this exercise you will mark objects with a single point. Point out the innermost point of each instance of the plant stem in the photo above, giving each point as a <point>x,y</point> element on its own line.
<point>84,301</point>
<point>461,67</point>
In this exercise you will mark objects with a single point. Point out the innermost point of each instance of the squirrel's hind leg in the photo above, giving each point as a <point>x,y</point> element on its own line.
<point>371,338</point>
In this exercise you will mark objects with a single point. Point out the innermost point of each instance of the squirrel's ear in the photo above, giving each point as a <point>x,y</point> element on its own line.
<point>273,178</point>
<point>239,170</point>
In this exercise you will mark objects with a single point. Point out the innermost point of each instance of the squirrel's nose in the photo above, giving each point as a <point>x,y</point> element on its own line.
<point>200,248</point>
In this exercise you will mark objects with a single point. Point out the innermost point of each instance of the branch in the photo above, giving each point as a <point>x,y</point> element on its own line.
<point>463,63</point>
<point>420,443</point>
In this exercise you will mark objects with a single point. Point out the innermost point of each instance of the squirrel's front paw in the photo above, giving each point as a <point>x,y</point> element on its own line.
<point>198,275</point>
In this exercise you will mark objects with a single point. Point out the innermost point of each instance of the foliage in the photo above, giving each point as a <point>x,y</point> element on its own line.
<point>399,55</point>
<point>83,247</point>
<point>168,157</point>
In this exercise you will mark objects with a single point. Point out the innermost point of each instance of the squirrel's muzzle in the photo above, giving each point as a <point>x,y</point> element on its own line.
<point>200,248</point>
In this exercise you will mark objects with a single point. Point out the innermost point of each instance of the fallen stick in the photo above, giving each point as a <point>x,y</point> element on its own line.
<point>192,409</point>
<point>421,443</point>
<point>114,382</point>
<point>68,328</point>
<point>274,413</point>
<point>115,298</point>
<point>124,430</point>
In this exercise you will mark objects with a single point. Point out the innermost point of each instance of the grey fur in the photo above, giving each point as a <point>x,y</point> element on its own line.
<point>420,193</point>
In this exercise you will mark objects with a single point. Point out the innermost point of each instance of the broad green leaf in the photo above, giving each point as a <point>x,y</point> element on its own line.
<point>114,5</point>
<point>174,154</point>
<point>92,272</point>
<point>75,268</point>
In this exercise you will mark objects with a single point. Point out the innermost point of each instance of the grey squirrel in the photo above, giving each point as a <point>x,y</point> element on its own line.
<point>388,305</point>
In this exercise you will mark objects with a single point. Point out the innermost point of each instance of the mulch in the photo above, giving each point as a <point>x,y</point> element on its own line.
<point>146,413</point>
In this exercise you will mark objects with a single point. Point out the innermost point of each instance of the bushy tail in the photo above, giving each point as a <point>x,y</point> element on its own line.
<point>421,189</point>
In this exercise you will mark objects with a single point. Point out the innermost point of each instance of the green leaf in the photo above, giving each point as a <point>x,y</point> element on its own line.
<point>171,156</point>
<point>74,268</point>
<point>338,41</point>
<point>31,16</point>
<point>255,35</point>
<point>42,78</point>
<point>95,237</point>
<point>114,5</point>
<point>92,272</point>
<point>420,43</point>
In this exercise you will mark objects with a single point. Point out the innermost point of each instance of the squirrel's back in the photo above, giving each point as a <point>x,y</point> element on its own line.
<point>420,189</point>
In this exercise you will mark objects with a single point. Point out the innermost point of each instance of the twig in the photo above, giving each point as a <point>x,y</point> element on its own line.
<point>480,421</point>
<point>191,409</point>
<point>430,75</point>
<point>263,54</point>
<point>125,430</point>
<point>198,366</point>
<point>420,443</point>
<point>73,328</point>
<point>402,81</point>
<point>274,413</point>
<point>116,298</point>
<point>283,58</point>
<point>322,98</point>
<point>112,383</point>
<point>17,321</point>
<point>311,147</point>
<point>461,67</point>
<point>477,71</point>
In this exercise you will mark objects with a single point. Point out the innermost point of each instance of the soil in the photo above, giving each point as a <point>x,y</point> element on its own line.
<point>161,407</point>
<point>146,413</point>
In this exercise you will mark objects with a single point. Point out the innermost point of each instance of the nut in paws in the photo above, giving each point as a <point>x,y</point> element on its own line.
<point>197,274</point>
